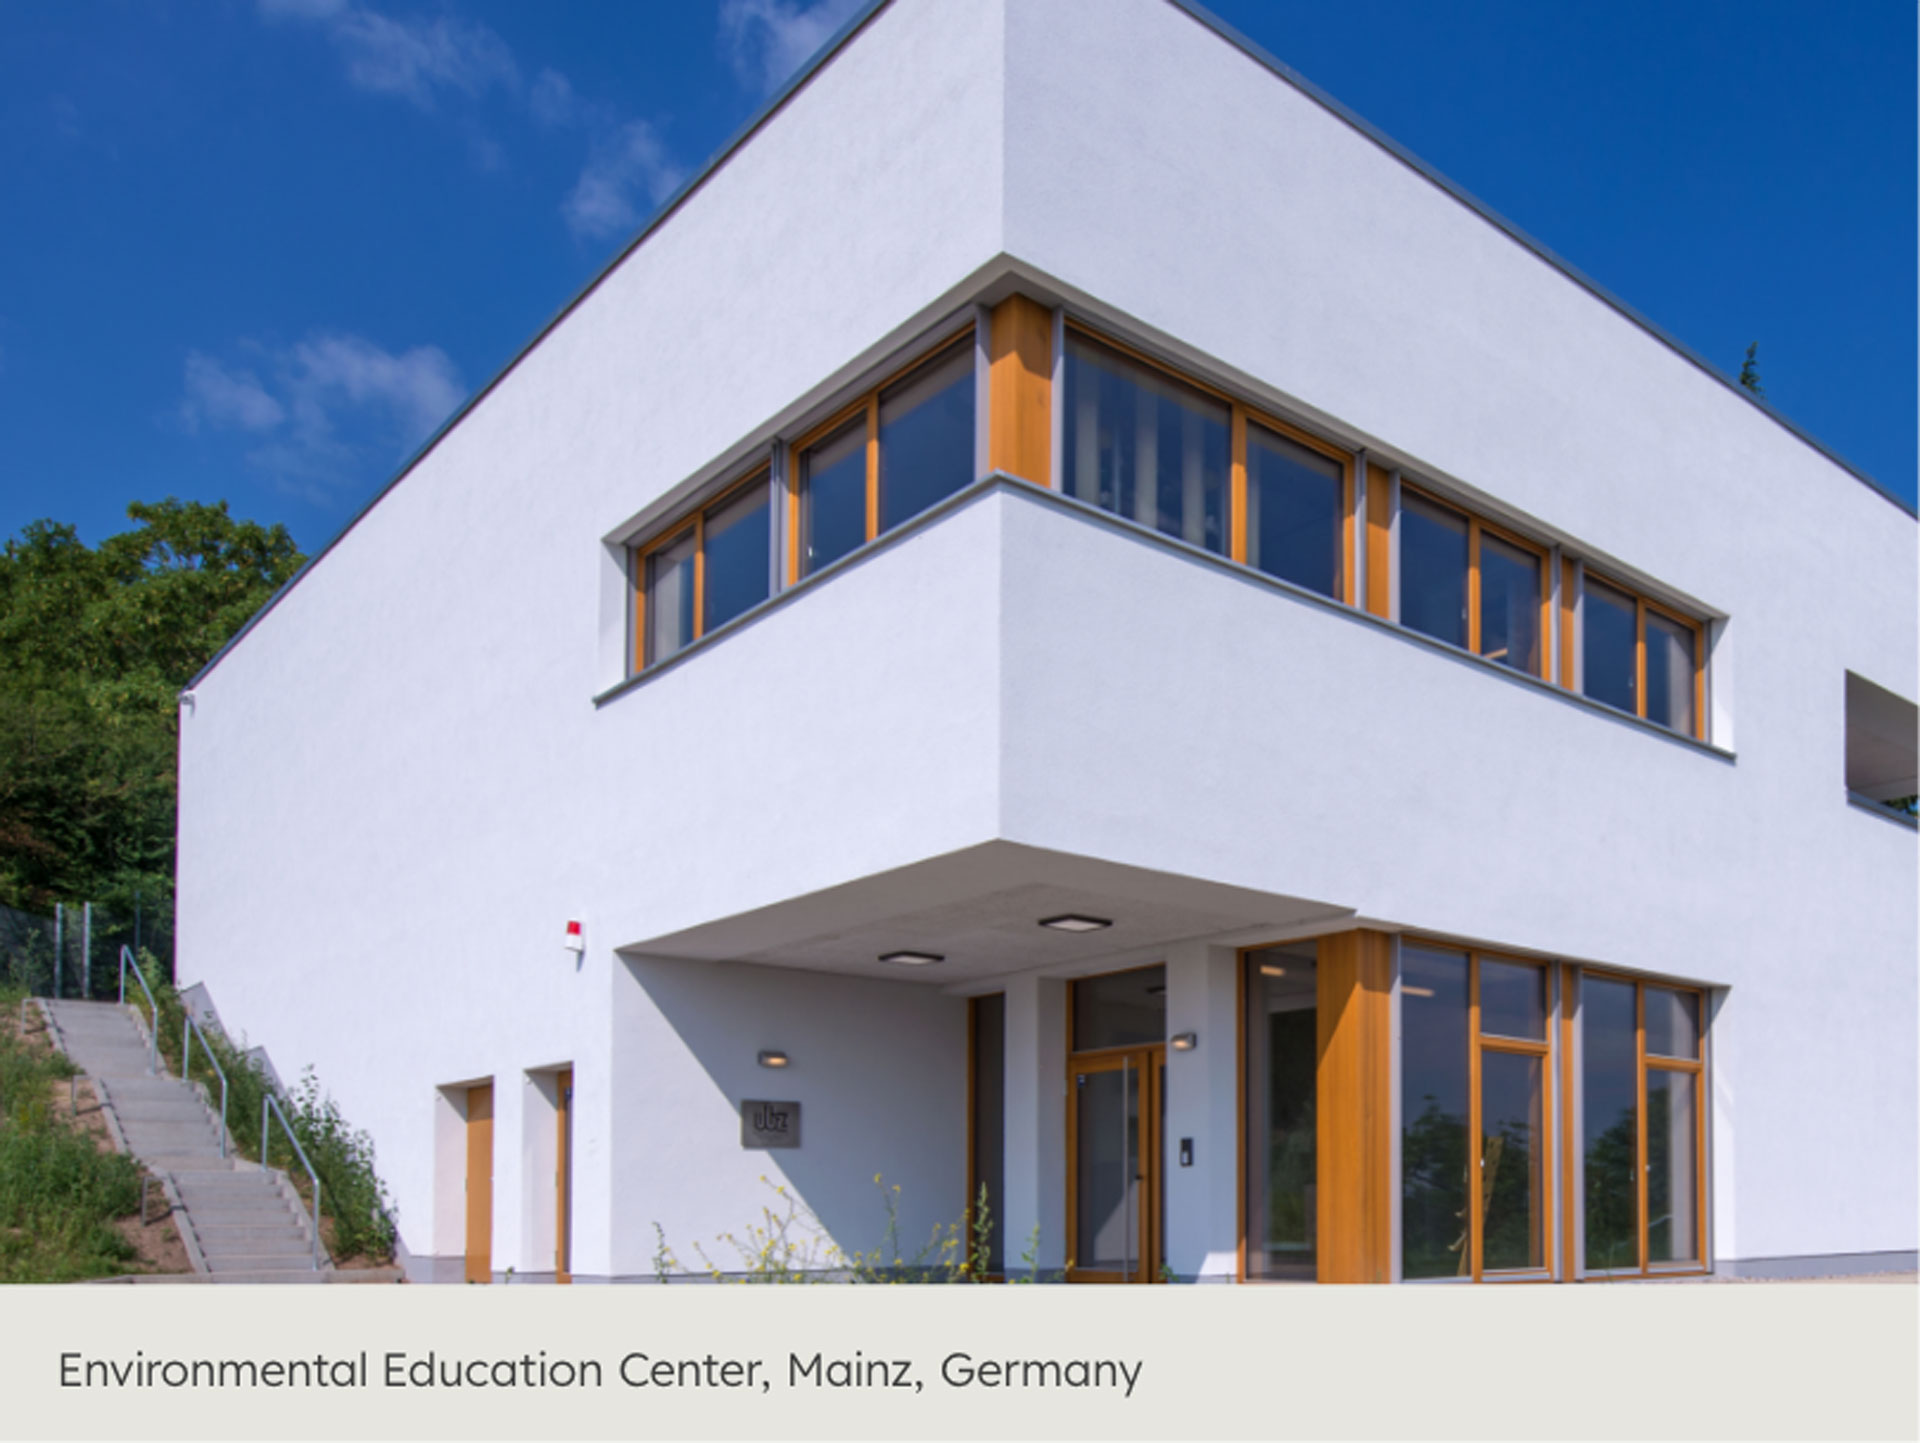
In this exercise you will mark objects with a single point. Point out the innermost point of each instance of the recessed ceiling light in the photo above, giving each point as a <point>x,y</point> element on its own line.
<point>774,1057</point>
<point>912,959</point>
<point>1074,922</point>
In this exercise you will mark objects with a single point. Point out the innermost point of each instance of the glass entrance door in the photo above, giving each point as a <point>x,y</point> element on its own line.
<point>1114,1192</point>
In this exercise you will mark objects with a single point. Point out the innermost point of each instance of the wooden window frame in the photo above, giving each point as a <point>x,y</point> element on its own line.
<point>1240,415</point>
<point>693,520</point>
<point>1479,1043</point>
<point>1645,1062</point>
<point>867,404</point>
<point>1152,1225</point>
<point>1476,528</point>
<point>1642,605</point>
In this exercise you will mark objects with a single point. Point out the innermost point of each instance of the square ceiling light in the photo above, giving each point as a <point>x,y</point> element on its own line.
<point>1075,922</point>
<point>912,959</point>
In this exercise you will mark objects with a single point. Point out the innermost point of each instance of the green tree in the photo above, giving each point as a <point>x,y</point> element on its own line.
<point>95,645</point>
<point>1750,371</point>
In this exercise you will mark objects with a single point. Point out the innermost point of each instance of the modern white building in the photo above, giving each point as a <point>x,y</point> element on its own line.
<point>1076,597</point>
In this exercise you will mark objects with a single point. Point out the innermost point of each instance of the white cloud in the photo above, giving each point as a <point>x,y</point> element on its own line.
<point>219,397</point>
<point>329,409</point>
<point>767,40</point>
<point>554,102</point>
<point>624,168</point>
<point>413,59</point>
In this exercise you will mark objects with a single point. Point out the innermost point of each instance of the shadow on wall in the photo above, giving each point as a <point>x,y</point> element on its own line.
<point>878,1068</point>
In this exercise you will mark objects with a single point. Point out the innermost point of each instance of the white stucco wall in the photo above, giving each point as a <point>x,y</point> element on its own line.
<point>397,790</point>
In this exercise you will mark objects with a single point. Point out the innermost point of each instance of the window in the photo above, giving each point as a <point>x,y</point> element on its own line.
<point>1883,761</point>
<point>1642,658</point>
<point>1144,445</point>
<point>1643,1125</point>
<point>1282,1139</point>
<point>987,1130</point>
<point>1296,511</point>
<point>1475,1058</point>
<point>895,453</point>
<point>1472,586</point>
<point>702,573</point>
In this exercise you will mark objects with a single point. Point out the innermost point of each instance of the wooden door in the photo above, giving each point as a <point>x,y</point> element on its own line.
<point>563,1179</point>
<point>480,1183</point>
<point>1114,1166</point>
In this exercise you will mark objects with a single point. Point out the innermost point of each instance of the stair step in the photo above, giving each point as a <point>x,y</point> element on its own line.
<point>284,1245</point>
<point>243,1232</point>
<point>262,1262</point>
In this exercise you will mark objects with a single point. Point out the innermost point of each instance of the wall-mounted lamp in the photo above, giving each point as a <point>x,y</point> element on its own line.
<point>912,959</point>
<point>1074,922</point>
<point>774,1057</point>
<point>1184,1041</point>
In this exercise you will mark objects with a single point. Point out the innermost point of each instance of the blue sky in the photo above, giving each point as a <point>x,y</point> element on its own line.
<point>258,249</point>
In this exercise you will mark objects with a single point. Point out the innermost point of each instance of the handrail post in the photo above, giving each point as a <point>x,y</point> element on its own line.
<point>186,1049</point>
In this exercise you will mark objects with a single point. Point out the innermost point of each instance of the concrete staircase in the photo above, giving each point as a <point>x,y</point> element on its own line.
<point>241,1224</point>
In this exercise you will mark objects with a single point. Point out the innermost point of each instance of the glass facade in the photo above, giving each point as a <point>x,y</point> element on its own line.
<point>1282,1141</point>
<point>1435,1118</point>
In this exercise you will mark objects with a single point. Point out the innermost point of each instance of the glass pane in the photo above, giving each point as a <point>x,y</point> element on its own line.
<point>1673,1192</point>
<point>1106,1170</point>
<point>1433,1114</point>
<point>1513,1162</point>
<point>1669,673</point>
<point>1145,446</point>
<point>989,1129</point>
<point>926,435</point>
<point>833,496</point>
<point>1673,1023</point>
<point>1121,1009</point>
<point>1607,669</point>
<point>1609,1102</point>
<point>1296,511</point>
<point>739,562</point>
<point>1282,1142</point>
<point>1509,604</point>
<point>669,598</point>
<point>1513,1000</point>
<point>1433,569</point>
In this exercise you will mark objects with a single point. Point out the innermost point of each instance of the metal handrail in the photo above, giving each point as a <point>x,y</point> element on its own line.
<point>186,1058</point>
<point>268,1107</point>
<point>153,1032</point>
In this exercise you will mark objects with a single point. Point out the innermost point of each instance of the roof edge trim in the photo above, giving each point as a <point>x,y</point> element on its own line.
<point>773,104</point>
<point>1256,52</point>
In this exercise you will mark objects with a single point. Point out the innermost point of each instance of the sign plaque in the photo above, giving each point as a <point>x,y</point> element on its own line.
<point>769,1124</point>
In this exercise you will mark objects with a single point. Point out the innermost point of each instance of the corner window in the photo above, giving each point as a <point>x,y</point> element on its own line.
<point>703,573</point>
<point>1141,444</point>
<point>898,451</point>
<point>1881,753</point>
<point>1638,656</point>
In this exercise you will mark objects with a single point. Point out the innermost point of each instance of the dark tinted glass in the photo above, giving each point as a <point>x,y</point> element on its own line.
<point>1673,1023</point>
<point>1608,671</point>
<point>1433,569</point>
<point>1282,1144</point>
<point>1141,444</point>
<point>1513,1000</point>
<point>1670,666</point>
<point>1434,1150</point>
<point>739,566</point>
<point>833,496</point>
<point>1673,1191</point>
<point>1513,1165</point>
<point>1296,510</point>
<point>1120,1009</point>
<point>669,609</point>
<point>926,435</point>
<point>1509,604</point>
<point>989,1131</point>
<point>1609,1106</point>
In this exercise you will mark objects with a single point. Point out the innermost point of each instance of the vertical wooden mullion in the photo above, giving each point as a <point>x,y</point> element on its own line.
<point>1569,1259</point>
<point>1568,632</point>
<point>873,465</point>
<point>1473,591</point>
<point>1237,500</point>
<point>1349,529</point>
<point>1546,615</point>
<point>639,564</point>
<point>793,515</point>
<point>1700,682</point>
<point>1476,1156</point>
<point>1640,1109</point>
<point>1700,1136</point>
<point>1379,541</point>
<point>1639,656</point>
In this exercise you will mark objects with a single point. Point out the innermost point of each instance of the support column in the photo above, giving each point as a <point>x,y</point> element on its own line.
<point>1202,1228</point>
<point>1355,1107</point>
<point>1036,1143</point>
<point>1020,389</point>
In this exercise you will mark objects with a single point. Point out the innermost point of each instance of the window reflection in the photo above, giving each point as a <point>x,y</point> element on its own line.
<point>1609,668</point>
<point>1672,1177</point>
<point>1296,511</point>
<point>738,566</point>
<point>1433,569</point>
<point>833,495</point>
<point>1513,1191</point>
<point>1509,604</point>
<point>669,609</point>
<point>1145,446</point>
<point>1434,1141</point>
<point>1609,1110</point>
<point>926,435</point>
<point>1670,670</point>
<point>1282,1139</point>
